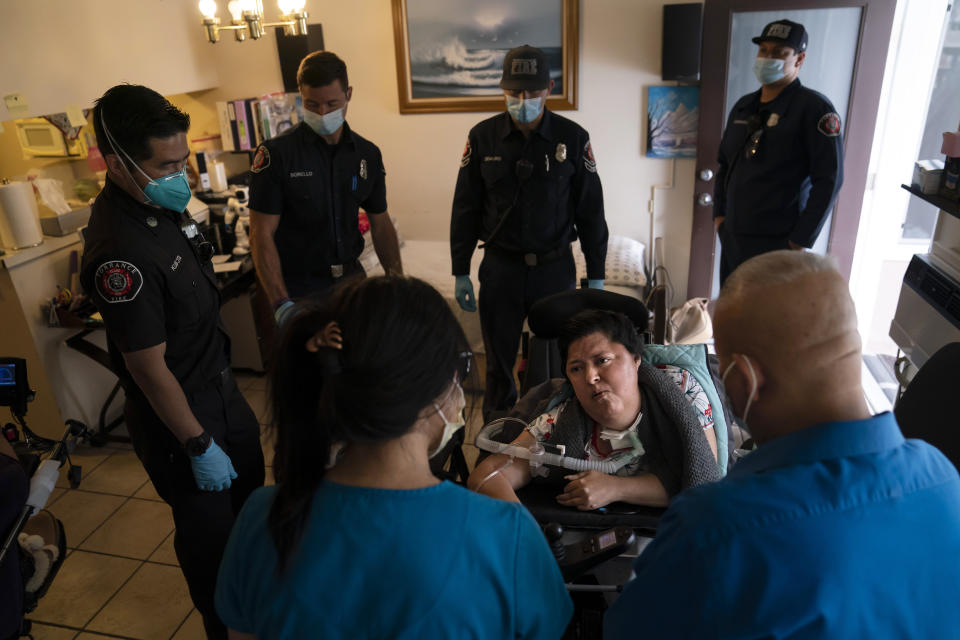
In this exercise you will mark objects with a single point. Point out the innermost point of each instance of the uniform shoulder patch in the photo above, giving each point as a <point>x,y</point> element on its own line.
<point>118,281</point>
<point>467,152</point>
<point>829,125</point>
<point>589,162</point>
<point>261,159</point>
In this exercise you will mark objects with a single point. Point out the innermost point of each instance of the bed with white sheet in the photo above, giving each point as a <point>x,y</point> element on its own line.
<point>429,260</point>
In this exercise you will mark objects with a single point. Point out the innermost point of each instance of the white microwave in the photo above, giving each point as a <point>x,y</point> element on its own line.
<point>40,139</point>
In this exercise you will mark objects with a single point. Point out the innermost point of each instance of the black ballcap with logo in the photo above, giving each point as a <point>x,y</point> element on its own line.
<point>784,32</point>
<point>525,69</point>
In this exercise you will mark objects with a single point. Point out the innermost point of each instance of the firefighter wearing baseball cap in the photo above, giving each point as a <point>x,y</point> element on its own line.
<point>781,156</point>
<point>527,188</point>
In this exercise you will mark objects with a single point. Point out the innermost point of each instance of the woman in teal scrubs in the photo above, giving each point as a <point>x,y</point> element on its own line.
<point>359,539</point>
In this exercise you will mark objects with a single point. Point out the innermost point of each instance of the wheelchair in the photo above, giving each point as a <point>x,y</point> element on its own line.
<point>595,550</point>
<point>36,534</point>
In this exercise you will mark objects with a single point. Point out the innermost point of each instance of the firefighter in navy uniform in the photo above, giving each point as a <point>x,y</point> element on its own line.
<point>528,186</point>
<point>306,187</point>
<point>148,270</point>
<point>781,156</point>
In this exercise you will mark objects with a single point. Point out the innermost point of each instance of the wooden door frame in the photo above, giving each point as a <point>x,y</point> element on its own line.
<point>876,24</point>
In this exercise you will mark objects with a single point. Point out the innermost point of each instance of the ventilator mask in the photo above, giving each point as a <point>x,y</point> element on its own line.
<point>524,110</point>
<point>753,384</point>
<point>768,70</point>
<point>450,428</point>
<point>170,192</point>
<point>326,124</point>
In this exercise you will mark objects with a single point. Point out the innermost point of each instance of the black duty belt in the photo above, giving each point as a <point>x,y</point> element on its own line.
<point>531,259</point>
<point>337,271</point>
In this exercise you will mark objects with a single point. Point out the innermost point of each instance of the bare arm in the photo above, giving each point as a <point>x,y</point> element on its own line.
<point>502,484</point>
<point>265,257</point>
<point>150,372</point>
<point>385,243</point>
<point>589,490</point>
<point>711,435</point>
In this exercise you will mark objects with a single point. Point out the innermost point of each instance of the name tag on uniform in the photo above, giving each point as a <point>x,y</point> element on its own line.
<point>740,121</point>
<point>492,158</point>
<point>301,174</point>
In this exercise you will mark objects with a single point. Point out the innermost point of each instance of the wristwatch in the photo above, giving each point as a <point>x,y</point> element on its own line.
<point>197,445</point>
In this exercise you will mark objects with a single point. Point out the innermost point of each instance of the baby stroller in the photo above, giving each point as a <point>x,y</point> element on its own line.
<point>35,535</point>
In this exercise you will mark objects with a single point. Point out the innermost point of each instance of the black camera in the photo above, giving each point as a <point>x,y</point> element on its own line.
<point>15,392</point>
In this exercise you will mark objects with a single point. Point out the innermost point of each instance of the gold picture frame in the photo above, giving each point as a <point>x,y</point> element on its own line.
<point>419,94</point>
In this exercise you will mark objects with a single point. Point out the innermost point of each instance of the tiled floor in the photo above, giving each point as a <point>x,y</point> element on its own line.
<point>121,578</point>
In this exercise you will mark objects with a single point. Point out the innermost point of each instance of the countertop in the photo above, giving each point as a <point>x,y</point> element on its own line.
<point>15,257</point>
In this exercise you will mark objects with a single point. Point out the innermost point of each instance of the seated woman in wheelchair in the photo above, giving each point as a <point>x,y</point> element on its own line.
<point>372,545</point>
<point>621,410</point>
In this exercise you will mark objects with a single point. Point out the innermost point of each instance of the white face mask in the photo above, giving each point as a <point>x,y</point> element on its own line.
<point>450,428</point>
<point>753,384</point>
<point>324,125</point>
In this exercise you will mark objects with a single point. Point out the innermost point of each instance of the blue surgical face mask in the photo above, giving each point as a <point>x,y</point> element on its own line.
<point>170,192</point>
<point>768,70</point>
<point>523,110</point>
<point>324,125</point>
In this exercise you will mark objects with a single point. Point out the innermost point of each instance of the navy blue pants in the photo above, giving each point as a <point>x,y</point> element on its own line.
<point>203,518</point>
<point>508,288</point>
<point>737,249</point>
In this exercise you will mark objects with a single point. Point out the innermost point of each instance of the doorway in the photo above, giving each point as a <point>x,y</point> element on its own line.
<point>846,55</point>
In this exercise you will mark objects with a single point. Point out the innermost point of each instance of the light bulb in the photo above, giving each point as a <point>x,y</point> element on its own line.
<point>208,8</point>
<point>249,5</point>
<point>236,10</point>
<point>296,6</point>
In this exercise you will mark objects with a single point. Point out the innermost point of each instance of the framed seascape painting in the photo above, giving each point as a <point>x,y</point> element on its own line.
<point>672,115</point>
<point>450,52</point>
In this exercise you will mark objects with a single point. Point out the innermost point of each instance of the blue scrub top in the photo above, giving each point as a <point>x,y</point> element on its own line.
<point>440,562</point>
<point>842,530</point>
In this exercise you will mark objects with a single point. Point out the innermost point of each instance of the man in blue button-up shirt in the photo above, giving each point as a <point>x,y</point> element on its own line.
<point>835,527</point>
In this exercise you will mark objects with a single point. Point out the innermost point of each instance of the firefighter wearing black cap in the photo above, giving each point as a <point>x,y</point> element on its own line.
<point>148,271</point>
<point>781,157</point>
<point>528,186</point>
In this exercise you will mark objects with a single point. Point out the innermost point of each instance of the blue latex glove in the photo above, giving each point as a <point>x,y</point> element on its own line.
<point>595,284</point>
<point>463,292</point>
<point>213,470</point>
<point>284,312</point>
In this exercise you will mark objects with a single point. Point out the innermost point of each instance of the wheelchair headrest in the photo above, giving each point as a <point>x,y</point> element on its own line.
<point>548,315</point>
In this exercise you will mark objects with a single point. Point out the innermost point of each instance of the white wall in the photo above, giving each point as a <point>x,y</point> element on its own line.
<point>161,43</point>
<point>619,56</point>
<point>64,52</point>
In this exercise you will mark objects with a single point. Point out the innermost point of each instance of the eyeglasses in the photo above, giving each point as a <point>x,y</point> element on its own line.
<point>464,365</point>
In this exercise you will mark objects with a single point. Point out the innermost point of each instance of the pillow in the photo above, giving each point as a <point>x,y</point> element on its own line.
<point>624,264</point>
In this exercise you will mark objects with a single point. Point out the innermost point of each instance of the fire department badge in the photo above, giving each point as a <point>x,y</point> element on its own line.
<point>829,125</point>
<point>261,159</point>
<point>363,168</point>
<point>118,281</point>
<point>773,119</point>
<point>589,162</point>
<point>561,153</point>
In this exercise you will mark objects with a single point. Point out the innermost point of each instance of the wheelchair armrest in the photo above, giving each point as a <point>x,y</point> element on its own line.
<point>541,500</point>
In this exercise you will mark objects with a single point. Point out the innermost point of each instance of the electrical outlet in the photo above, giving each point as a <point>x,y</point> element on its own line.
<point>16,104</point>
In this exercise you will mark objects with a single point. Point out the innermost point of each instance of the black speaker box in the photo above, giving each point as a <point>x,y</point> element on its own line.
<point>293,49</point>
<point>682,26</point>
